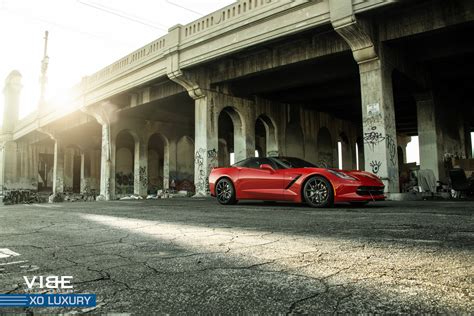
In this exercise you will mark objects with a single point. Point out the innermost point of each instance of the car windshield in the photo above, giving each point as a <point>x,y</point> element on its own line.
<point>292,162</point>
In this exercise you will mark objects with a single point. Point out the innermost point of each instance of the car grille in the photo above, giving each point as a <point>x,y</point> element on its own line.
<point>370,190</point>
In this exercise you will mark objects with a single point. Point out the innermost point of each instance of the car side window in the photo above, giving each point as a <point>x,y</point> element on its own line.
<point>255,163</point>
<point>268,162</point>
<point>242,163</point>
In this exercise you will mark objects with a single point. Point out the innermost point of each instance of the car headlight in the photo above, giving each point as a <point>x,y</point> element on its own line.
<point>342,175</point>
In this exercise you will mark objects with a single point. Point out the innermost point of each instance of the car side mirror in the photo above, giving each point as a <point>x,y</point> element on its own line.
<point>267,167</point>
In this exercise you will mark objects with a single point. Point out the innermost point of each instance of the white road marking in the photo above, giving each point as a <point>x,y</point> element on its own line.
<point>14,262</point>
<point>47,205</point>
<point>30,267</point>
<point>7,253</point>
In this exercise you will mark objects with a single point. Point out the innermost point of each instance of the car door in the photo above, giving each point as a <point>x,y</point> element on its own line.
<point>260,184</point>
<point>291,176</point>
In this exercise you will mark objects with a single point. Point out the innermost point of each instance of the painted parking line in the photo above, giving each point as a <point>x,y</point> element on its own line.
<point>47,205</point>
<point>7,253</point>
<point>14,262</point>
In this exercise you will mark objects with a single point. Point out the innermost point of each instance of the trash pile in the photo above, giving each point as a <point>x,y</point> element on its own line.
<point>71,197</point>
<point>160,194</point>
<point>22,197</point>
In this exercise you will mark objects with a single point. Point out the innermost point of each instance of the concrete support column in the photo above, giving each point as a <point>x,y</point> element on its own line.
<point>166,166</point>
<point>249,135</point>
<point>172,157</point>
<point>206,145</point>
<point>467,139</point>
<point>8,165</point>
<point>429,138</point>
<point>107,165</point>
<point>11,91</point>
<point>378,115</point>
<point>58,168</point>
<point>68,169</point>
<point>140,183</point>
<point>83,176</point>
<point>440,132</point>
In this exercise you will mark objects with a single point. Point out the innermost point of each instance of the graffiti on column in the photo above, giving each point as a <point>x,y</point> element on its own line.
<point>375,165</point>
<point>143,177</point>
<point>202,180</point>
<point>59,183</point>
<point>211,163</point>
<point>392,149</point>
<point>373,138</point>
<point>373,120</point>
<point>212,154</point>
<point>202,169</point>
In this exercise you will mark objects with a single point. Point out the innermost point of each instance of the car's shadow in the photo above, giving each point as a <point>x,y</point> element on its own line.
<point>305,206</point>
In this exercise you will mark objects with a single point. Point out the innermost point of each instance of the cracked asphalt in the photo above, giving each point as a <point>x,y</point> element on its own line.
<point>183,256</point>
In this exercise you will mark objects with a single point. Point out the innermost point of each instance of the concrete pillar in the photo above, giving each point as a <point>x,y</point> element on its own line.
<point>83,176</point>
<point>440,132</point>
<point>172,162</point>
<point>11,92</point>
<point>428,141</point>
<point>68,169</point>
<point>107,165</point>
<point>206,145</point>
<point>467,139</point>
<point>378,115</point>
<point>58,168</point>
<point>140,184</point>
<point>166,164</point>
<point>8,165</point>
<point>244,146</point>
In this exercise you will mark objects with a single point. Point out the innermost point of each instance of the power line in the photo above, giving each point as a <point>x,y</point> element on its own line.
<point>185,8</point>
<point>65,27</point>
<point>122,15</point>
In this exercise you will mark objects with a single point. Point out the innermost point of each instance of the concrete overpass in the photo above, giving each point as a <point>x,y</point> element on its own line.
<point>276,77</point>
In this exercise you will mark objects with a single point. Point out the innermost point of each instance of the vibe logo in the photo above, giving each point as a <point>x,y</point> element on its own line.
<point>49,282</point>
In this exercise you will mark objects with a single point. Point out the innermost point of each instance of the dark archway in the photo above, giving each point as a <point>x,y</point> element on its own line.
<point>266,137</point>
<point>230,135</point>
<point>124,163</point>
<point>158,163</point>
<point>294,140</point>
<point>325,148</point>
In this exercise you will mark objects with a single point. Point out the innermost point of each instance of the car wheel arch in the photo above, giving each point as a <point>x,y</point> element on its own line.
<point>309,176</point>
<point>228,178</point>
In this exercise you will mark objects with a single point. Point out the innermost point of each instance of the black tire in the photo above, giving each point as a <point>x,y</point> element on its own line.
<point>225,192</point>
<point>318,192</point>
<point>359,204</point>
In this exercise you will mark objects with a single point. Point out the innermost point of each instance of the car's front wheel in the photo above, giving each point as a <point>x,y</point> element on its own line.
<point>225,192</point>
<point>318,192</point>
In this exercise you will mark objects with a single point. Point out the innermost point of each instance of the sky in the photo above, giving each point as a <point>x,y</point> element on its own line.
<point>84,36</point>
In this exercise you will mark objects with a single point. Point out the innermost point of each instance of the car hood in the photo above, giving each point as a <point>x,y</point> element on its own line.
<point>359,175</point>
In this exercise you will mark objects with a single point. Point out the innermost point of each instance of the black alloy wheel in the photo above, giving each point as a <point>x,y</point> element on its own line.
<point>318,192</point>
<point>225,192</point>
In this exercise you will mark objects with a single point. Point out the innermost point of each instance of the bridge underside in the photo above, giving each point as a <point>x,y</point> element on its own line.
<point>303,95</point>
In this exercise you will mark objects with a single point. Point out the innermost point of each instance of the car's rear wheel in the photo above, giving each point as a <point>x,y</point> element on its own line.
<point>318,192</point>
<point>225,192</point>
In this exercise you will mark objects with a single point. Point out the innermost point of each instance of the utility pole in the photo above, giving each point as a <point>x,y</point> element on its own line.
<point>44,68</point>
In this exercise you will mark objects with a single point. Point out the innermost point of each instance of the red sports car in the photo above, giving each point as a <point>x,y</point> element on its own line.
<point>295,180</point>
